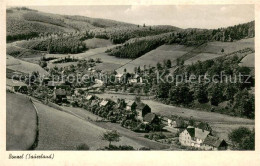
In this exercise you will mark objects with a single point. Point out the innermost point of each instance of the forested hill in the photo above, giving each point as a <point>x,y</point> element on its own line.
<point>24,23</point>
<point>188,37</point>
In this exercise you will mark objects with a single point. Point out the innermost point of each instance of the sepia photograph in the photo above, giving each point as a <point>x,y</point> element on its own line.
<point>130,78</point>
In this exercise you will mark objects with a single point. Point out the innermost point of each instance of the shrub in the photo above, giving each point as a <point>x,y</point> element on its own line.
<point>83,146</point>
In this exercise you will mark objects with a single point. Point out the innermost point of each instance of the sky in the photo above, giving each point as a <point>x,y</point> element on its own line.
<point>183,16</point>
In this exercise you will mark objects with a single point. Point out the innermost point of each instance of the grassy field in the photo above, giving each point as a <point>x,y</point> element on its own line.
<point>204,52</point>
<point>201,57</point>
<point>22,66</point>
<point>97,43</point>
<point>62,131</point>
<point>229,47</point>
<point>248,61</point>
<point>21,122</point>
<point>160,54</point>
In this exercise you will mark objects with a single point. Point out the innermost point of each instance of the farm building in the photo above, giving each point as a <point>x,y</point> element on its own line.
<point>103,103</point>
<point>151,118</point>
<point>193,137</point>
<point>142,109</point>
<point>131,105</point>
<point>119,77</point>
<point>60,94</point>
<point>90,97</point>
<point>175,125</point>
<point>214,143</point>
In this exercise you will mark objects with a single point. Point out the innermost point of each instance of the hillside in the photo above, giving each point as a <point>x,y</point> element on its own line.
<point>21,123</point>
<point>24,23</point>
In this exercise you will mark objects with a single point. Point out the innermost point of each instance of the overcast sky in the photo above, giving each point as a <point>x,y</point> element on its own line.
<point>195,16</point>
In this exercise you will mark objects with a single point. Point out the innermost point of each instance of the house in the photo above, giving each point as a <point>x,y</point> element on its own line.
<point>151,118</point>
<point>176,125</point>
<point>131,105</point>
<point>193,137</point>
<point>60,94</point>
<point>119,77</point>
<point>214,143</point>
<point>132,81</point>
<point>142,109</point>
<point>94,103</point>
<point>103,103</point>
<point>135,79</point>
<point>90,97</point>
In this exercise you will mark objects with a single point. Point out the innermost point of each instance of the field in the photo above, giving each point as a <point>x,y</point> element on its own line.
<point>21,122</point>
<point>109,63</point>
<point>22,66</point>
<point>61,131</point>
<point>160,54</point>
<point>204,52</point>
<point>201,57</point>
<point>97,43</point>
<point>248,61</point>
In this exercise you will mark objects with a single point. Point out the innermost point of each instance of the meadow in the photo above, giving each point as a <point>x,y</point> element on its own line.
<point>21,122</point>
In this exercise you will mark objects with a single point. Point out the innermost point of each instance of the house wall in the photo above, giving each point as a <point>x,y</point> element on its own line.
<point>185,138</point>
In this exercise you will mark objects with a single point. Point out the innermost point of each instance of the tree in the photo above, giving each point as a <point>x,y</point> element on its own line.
<point>168,63</point>
<point>202,94</point>
<point>243,138</point>
<point>143,25</point>
<point>111,136</point>
<point>159,66</point>
<point>222,50</point>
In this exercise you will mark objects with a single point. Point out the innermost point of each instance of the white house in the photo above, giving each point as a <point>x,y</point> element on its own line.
<point>193,137</point>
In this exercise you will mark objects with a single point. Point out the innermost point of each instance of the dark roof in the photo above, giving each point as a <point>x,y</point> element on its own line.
<point>213,141</point>
<point>60,92</point>
<point>130,103</point>
<point>141,106</point>
<point>197,133</point>
<point>150,117</point>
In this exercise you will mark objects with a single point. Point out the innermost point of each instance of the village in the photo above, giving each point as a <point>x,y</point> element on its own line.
<point>134,114</point>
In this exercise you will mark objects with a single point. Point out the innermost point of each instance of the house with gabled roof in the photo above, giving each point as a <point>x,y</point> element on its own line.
<point>131,105</point>
<point>150,118</point>
<point>193,137</point>
<point>90,97</point>
<point>142,109</point>
<point>60,94</point>
<point>214,143</point>
<point>103,103</point>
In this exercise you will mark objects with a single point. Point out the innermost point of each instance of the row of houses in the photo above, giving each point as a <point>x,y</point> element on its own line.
<point>143,110</point>
<point>201,139</point>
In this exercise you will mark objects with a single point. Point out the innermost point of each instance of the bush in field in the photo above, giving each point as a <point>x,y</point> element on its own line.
<point>83,147</point>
